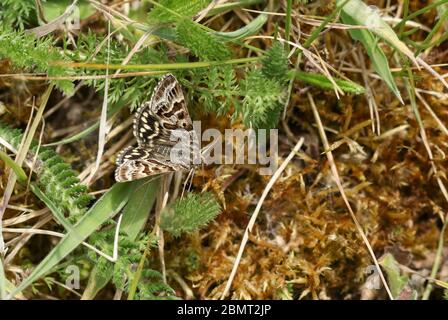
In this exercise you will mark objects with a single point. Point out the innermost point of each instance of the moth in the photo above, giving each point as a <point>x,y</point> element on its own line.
<point>160,126</point>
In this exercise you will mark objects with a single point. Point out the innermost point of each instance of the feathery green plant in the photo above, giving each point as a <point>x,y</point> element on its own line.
<point>54,176</point>
<point>34,54</point>
<point>190,213</point>
<point>169,10</point>
<point>153,288</point>
<point>215,88</point>
<point>202,44</point>
<point>128,90</point>
<point>106,207</point>
<point>16,13</point>
<point>150,286</point>
<point>264,89</point>
<point>256,99</point>
<point>261,107</point>
<point>275,63</point>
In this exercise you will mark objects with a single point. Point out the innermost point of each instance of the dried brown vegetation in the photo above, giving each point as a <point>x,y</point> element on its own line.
<point>304,244</point>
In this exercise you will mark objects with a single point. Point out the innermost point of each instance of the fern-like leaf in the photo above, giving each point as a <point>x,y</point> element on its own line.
<point>16,13</point>
<point>129,90</point>
<point>200,42</point>
<point>170,10</point>
<point>215,88</point>
<point>35,54</point>
<point>54,176</point>
<point>261,107</point>
<point>275,63</point>
<point>190,213</point>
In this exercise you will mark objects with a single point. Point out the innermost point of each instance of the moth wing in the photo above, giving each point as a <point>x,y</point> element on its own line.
<point>166,111</point>
<point>142,161</point>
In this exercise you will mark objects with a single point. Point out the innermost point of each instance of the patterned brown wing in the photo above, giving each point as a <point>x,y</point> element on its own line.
<point>141,162</point>
<point>155,124</point>
<point>166,111</point>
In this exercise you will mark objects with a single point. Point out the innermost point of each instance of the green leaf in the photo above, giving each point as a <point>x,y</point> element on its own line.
<point>275,63</point>
<point>399,284</point>
<point>106,207</point>
<point>52,206</point>
<point>55,178</point>
<point>137,210</point>
<point>135,215</point>
<point>21,175</point>
<point>442,10</point>
<point>97,281</point>
<point>261,107</point>
<point>55,8</point>
<point>190,213</point>
<point>35,54</point>
<point>376,54</point>
<point>201,43</point>
<point>246,31</point>
<point>17,13</point>
<point>363,15</point>
<point>172,10</point>
<point>323,82</point>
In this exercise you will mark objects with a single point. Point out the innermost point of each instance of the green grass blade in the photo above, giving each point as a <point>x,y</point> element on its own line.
<point>442,10</point>
<point>7,286</point>
<point>137,210</point>
<point>245,31</point>
<point>421,11</point>
<point>441,23</point>
<point>54,209</point>
<point>323,82</point>
<point>106,207</point>
<point>288,22</point>
<point>396,280</point>
<point>21,175</point>
<point>135,215</point>
<point>227,6</point>
<point>376,54</point>
<point>97,281</point>
<point>75,137</point>
<point>161,68</point>
<point>361,14</point>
